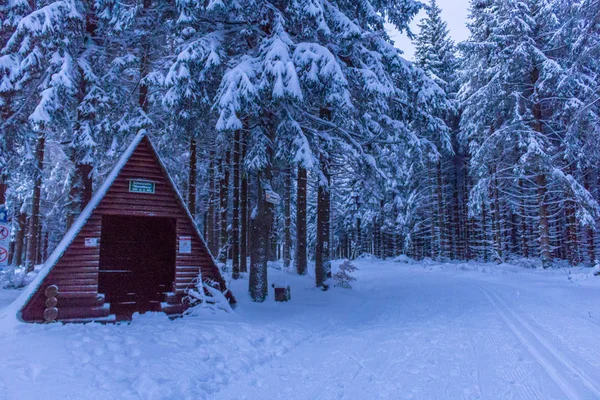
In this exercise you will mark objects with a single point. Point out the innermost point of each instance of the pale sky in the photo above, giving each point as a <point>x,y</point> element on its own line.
<point>454,12</point>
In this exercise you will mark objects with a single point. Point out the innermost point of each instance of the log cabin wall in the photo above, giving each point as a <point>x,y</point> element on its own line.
<point>76,272</point>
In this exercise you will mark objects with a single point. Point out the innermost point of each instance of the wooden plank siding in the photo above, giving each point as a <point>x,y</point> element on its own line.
<point>76,272</point>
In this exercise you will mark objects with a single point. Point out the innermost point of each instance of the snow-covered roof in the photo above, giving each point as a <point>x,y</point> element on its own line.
<point>16,307</point>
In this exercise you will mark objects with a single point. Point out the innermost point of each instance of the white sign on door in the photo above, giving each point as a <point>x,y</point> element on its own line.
<point>185,244</point>
<point>4,242</point>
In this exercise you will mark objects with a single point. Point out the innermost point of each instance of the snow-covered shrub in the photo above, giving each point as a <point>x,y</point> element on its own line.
<point>206,297</point>
<point>343,278</point>
<point>15,277</point>
<point>278,265</point>
<point>403,258</point>
<point>597,268</point>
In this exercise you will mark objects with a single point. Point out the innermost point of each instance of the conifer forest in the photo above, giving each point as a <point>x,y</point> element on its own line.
<point>295,130</point>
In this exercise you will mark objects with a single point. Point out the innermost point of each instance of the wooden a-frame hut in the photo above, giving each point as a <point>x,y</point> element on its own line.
<point>134,248</point>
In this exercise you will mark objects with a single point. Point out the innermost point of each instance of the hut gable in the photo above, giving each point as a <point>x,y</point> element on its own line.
<point>136,211</point>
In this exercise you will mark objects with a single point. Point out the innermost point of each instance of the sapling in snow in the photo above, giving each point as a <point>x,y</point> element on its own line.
<point>343,278</point>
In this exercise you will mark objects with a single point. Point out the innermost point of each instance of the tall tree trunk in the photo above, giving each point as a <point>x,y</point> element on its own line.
<point>224,201</point>
<point>301,257</point>
<point>235,224</point>
<point>287,226</point>
<point>259,228</point>
<point>524,230</point>
<point>572,239</point>
<point>213,199</point>
<point>496,223</point>
<point>359,234</point>
<point>544,226</point>
<point>193,174</point>
<point>3,188</point>
<point>590,230</point>
<point>80,192</point>
<point>262,225</point>
<point>484,241</point>
<point>322,251</point>
<point>34,221</point>
<point>21,219</point>
<point>443,246</point>
<point>244,215</point>
<point>144,62</point>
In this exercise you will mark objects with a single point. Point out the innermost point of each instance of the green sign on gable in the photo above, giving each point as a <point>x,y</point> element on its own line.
<point>141,187</point>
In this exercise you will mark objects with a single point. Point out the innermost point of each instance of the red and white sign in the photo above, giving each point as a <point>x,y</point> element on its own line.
<point>3,256</point>
<point>4,241</point>
<point>185,244</point>
<point>4,232</point>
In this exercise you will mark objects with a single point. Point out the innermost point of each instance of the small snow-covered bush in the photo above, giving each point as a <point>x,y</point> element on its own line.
<point>343,278</point>
<point>597,268</point>
<point>403,258</point>
<point>15,277</point>
<point>206,297</point>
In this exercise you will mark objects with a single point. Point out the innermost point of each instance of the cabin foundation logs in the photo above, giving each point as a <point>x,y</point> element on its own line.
<point>51,311</point>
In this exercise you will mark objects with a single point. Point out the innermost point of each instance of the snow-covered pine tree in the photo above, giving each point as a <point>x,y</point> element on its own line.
<point>510,120</point>
<point>435,54</point>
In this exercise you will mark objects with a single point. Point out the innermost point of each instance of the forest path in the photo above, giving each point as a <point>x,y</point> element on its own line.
<point>435,331</point>
<point>421,333</point>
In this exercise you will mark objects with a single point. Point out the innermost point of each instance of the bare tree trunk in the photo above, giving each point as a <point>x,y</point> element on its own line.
<point>496,223</point>
<point>287,230</point>
<point>524,230</point>
<point>235,224</point>
<point>3,188</point>
<point>591,231</point>
<point>244,217</point>
<point>259,228</point>
<point>34,222</point>
<point>544,228</point>
<point>21,219</point>
<point>224,200</point>
<point>193,174</point>
<point>301,257</point>
<point>322,256</point>
<point>212,212</point>
<point>484,242</point>
<point>441,206</point>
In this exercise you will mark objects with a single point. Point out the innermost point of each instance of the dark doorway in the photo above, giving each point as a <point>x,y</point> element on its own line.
<point>137,262</point>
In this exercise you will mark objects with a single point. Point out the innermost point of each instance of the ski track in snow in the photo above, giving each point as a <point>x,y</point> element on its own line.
<point>554,362</point>
<point>416,331</point>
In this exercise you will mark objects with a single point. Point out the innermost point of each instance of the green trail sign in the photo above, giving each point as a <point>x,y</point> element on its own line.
<point>141,187</point>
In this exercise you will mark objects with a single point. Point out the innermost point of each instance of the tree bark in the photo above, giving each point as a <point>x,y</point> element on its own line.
<point>287,229</point>
<point>21,219</point>
<point>34,221</point>
<point>524,230</point>
<point>544,228</point>
<point>244,216</point>
<point>322,251</point>
<point>301,257</point>
<point>259,227</point>
<point>235,224</point>
<point>211,227</point>
<point>193,175</point>
<point>443,248</point>
<point>590,230</point>
<point>224,200</point>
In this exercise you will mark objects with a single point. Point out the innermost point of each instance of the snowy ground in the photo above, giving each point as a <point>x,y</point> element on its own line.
<point>406,331</point>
